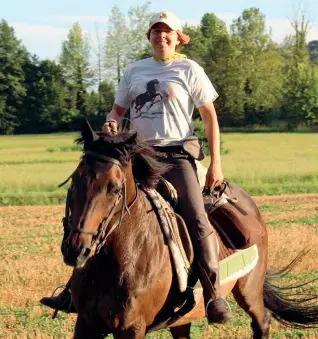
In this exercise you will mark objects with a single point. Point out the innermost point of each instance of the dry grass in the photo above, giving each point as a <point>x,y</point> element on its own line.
<point>31,266</point>
<point>292,236</point>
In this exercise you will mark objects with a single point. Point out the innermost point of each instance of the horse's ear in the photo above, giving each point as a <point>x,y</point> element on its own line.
<point>128,144</point>
<point>88,135</point>
<point>131,140</point>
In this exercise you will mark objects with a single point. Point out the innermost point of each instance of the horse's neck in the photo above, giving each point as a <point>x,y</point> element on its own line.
<point>138,241</point>
<point>131,190</point>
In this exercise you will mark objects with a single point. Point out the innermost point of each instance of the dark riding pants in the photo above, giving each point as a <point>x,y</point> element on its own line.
<point>183,177</point>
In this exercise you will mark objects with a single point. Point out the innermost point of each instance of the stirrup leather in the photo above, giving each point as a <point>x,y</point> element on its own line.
<point>68,300</point>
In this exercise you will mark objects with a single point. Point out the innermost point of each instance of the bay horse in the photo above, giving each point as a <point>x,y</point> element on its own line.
<point>123,281</point>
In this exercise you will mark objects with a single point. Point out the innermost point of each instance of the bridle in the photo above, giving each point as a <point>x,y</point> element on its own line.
<point>100,236</point>
<point>105,159</point>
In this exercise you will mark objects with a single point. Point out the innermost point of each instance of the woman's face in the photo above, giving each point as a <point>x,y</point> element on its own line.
<point>163,40</point>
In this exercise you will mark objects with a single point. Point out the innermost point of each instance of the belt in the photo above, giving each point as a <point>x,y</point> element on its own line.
<point>177,149</point>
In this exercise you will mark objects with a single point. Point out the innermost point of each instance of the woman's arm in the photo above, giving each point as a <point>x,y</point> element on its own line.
<point>116,113</point>
<point>214,175</point>
<point>113,119</point>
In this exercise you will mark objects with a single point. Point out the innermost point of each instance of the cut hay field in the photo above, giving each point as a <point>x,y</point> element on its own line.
<point>31,167</point>
<point>31,267</point>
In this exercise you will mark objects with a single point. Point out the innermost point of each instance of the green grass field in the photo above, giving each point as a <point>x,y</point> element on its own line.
<point>31,167</point>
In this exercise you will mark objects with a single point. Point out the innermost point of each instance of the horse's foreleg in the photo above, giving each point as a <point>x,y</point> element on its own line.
<point>138,331</point>
<point>181,332</point>
<point>84,330</point>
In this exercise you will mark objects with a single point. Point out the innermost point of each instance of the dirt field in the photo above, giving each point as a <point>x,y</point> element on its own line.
<point>31,266</point>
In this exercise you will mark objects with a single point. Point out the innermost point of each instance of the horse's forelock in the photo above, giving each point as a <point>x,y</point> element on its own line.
<point>119,147</point>
<point>147,167</point>
<point>109,139</point>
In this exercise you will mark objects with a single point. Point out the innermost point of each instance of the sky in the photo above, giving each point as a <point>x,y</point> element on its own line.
<point>42,25</point>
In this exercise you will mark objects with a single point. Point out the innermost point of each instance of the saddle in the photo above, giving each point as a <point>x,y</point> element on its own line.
<point>237,228</point>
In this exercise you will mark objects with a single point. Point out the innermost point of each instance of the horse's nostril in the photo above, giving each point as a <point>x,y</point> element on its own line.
<point>87,252</point>
<point>83,257</point>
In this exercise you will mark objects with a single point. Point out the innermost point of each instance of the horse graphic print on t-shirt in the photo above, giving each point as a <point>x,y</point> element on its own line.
<point>145,101</point>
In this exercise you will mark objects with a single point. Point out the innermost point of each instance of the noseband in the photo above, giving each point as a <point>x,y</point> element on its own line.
<point>100,236</point>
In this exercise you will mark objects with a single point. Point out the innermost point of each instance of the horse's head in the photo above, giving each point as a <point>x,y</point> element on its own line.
<point>152,86</point>
<point>99,192</point>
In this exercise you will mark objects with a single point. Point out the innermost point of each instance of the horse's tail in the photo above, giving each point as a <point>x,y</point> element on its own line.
<point>292,305</point>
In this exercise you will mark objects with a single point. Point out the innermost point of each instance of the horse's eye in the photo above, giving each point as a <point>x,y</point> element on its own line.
<point>113,188</point>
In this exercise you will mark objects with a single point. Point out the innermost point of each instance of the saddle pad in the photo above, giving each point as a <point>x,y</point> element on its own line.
<point>238,264</point>
<point>170,230</point>
<point>231,268</point>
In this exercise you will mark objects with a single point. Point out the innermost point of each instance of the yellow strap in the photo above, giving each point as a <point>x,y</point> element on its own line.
<point>176,56</point>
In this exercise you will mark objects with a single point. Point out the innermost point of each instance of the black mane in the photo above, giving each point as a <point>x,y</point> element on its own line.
<point>147,168</point>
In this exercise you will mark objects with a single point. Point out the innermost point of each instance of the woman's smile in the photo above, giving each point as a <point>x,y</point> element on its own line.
<point>164,40</point>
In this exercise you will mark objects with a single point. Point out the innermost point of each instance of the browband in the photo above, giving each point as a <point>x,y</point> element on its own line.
<point>105,158</point>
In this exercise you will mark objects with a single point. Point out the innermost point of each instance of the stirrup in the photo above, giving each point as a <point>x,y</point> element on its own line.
<point>226,302</point>
<point>211,300</point>
<point>70,303</point>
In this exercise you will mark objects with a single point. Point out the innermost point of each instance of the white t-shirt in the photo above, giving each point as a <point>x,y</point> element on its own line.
<point>162,96</point>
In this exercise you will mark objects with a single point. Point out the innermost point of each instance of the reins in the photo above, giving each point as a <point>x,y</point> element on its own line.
<point>102,233</point>
<point>100,236</point>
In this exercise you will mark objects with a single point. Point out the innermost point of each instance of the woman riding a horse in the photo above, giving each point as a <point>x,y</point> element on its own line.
<point>182,85</point>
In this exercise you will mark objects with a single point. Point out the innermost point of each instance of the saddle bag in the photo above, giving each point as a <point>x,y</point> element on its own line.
<point>193,146</point>
<point>237,228</point>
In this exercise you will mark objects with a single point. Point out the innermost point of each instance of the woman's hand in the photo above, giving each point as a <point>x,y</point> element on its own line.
<point>214,176</point>
<point>110,127</point>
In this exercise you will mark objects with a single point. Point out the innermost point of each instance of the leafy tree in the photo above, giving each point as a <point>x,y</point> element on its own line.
<point>214,49</point>
<point>74,60</point>
<point>98,50</point>
<point>313,51</point>
<point>227,75</point>
<point>117,45</point>
<point>198,47</point>
<point>44,108</point>
<point>145,53</point>
<point>212,27</point>
<point>301,96</point>
<point>261,67</point>
<point>286,48</point>
<point>126,39</point>
<point>107,92</point>
<point>301,84</point>
<point>13,56</point>
<point>207,49</point>
<point>301,27</point>
<point>101,102</point>
<point>139,17</point>
<point>203,38</point>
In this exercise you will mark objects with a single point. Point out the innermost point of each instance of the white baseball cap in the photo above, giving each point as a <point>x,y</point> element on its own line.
<point>167,18</point>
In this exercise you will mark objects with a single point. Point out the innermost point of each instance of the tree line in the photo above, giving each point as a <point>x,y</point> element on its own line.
<point>259,81</point>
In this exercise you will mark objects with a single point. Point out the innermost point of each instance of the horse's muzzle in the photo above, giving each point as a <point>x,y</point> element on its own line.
<point>75,259</point>
<point>83,256</point>
<point>69,255</point>
<point>76,251</point>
